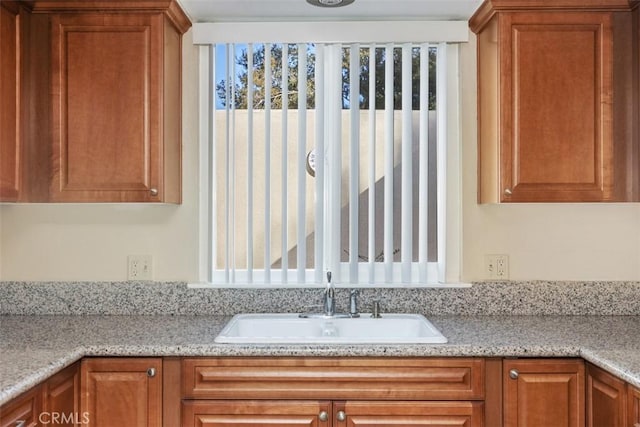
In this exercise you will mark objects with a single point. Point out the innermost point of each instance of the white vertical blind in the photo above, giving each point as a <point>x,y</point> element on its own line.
<point>319,163</point>
<point>302,154</point>
<point>406,222</point>
<point>354,155</point>
<point>250,152</point>
<point>285,159</point>
<point>267,163</point>
<point>423,179</point>
<point>334,90</point>
<point>388,163</point>
<point>372,163</point>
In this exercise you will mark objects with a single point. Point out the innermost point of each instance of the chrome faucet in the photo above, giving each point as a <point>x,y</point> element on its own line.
<point>353,303</point>
<point>329,303</point>
<point>329,298</point>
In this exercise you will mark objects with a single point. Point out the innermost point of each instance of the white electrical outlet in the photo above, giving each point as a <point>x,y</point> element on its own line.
<point>140,267</point>
<point>496,267</point>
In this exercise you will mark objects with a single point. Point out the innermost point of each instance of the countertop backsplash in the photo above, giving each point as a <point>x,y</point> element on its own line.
<point>176,298</point>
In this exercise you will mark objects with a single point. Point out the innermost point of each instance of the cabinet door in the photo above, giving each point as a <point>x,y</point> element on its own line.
<point>634,406</point>
<point>400,414</point>
<point>107,107</point>
<point>292,413</point>
<point>543,392</point>
<point>9,103</point>
<point>606,399</point>
<point>62,398</point>
<point>22,411</point>
<point>556,111</point>
<point>122,392</point>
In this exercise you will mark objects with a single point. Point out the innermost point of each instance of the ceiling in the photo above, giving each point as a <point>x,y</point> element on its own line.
<point>300,10</point>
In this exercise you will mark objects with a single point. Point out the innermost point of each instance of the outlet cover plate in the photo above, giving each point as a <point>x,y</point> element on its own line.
<point>139,267</point>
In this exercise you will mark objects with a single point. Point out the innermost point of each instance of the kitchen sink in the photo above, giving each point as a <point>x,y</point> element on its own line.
<point>292,329</point>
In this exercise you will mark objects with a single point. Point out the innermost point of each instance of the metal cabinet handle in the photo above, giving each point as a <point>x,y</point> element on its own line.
<point>508,192</point>
<point>513,374</point>
<point>323,416</point>
<point>341,416</point>
<point>151,372</point>
<point>153,191</point>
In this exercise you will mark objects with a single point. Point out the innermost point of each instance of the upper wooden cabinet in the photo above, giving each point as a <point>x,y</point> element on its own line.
<point>555,101</point>
<point>10,142</point>
<point>107,89</point>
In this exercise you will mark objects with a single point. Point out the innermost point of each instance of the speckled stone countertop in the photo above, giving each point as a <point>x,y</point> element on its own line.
<point>32,348</point>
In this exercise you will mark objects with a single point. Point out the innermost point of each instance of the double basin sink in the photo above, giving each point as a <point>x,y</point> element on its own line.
<point>293,329</point>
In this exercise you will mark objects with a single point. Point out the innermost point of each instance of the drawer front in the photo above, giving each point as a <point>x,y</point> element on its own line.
<point>246,413</point>
<point>332,378</point>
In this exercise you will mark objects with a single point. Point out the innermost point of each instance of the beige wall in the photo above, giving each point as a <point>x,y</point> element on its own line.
<point>91,242</point>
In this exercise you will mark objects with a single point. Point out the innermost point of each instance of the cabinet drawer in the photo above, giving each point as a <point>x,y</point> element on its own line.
<point>291,413</point>
<point>329,378</point>
<point>415,414</point>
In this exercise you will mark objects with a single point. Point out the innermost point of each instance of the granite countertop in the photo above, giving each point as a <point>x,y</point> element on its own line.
<point>32,348</point>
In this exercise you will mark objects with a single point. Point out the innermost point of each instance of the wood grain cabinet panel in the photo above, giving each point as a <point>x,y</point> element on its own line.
<point>326,378</point>
<point>122,392</point>
<point>22,411</point>
<point>292,413</point>
<point>61,398</point>
<point>401,414</point>
<point>10,142</point>
<point>554,102</point>
<point>543,392</point>
<point>633,406</point>
<point>606,399</point>
<point>116,85</point>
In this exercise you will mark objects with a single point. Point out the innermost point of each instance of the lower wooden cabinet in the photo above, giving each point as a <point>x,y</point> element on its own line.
<point>23,410</point>
<point>606,399</point>
<point>290,413</point>
<point>120,392</point>
<point>634,406</point>
<point>54,402</point>
<point>543,392</point>
<point>400,414</point>
<point>332,392</point>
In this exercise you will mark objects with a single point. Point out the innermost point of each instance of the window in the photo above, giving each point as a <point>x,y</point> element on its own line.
<point>325,156</point>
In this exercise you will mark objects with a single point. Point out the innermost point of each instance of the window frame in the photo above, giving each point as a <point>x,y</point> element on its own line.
<point>449,162</point>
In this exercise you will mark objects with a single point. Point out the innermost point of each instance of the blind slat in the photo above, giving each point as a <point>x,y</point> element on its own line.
<point>372,163</point>
<point>388,162</point>
<point>354,156</point>
<point>406,222</point>
<point>423,178</point>
<point>285,139</point>
<point>250,167</point>
<point>267,163</point>
<point>302,155</point>
<point>320,160</point>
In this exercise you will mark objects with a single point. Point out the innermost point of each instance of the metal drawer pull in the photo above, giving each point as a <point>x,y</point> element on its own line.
<point>153,191</point>
<point>341,416</point>
<point>513,374</point>
<point>323,416</point>
<point>151,372</point>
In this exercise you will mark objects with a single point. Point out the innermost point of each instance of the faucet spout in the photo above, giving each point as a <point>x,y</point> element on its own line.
<point>329,297</point>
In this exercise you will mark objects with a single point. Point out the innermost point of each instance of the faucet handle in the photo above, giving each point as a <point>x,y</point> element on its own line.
<point>328,277</point>
<point>353,303</point>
